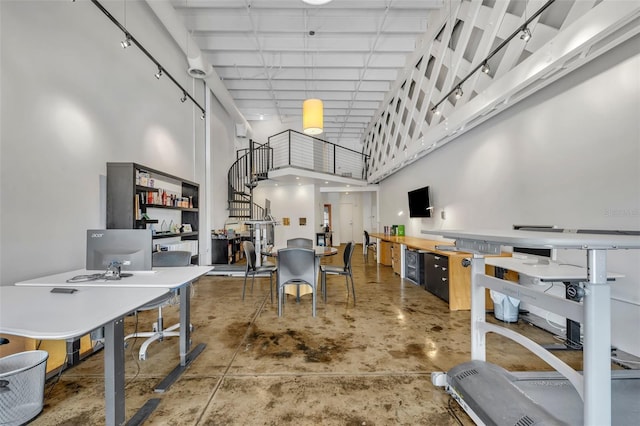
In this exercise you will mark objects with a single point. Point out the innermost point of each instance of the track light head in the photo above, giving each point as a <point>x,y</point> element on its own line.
<point>526,34</point>
<point>485,68</point>
<point>202,116</point>
<point>159,73</point>
<point>458,93</point>
<point>435,110</point>
<point>126,42</point>
<point>183,99</point>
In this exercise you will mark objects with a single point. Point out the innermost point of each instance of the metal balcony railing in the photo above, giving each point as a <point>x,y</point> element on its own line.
<point>250,166</point>
<point>295,149</point>
<point>286,149</point>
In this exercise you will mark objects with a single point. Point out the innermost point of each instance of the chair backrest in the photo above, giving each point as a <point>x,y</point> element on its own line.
<point>348,253</point>
<point>296,264</point>
<point>300,242</point>
<point>249,254</point>
<point>171,258</point>
<point>366,237</point>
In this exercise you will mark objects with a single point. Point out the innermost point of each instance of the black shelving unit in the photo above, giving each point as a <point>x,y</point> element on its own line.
<point>127,199</point>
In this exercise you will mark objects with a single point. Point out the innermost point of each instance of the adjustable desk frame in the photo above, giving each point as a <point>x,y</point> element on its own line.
<point>165,279</point>
<point>594,387</point>
<point>39,314</point>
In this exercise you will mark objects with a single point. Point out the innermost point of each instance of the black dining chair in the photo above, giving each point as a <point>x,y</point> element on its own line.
<point>368,244</point>
<point>253,270</point>
<point>296,266</point>
<point>300,242</point>
<point>340,270</point>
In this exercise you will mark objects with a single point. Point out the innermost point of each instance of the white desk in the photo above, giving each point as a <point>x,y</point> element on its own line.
<point>163,278</point>
<point>551,272</point>
<point>544,272</point>
<point>167,278</point>
<point>39,314</point>
<point>594,386</point>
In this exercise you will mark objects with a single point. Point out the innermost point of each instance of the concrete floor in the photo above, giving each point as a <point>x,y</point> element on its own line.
<point>367,364</point>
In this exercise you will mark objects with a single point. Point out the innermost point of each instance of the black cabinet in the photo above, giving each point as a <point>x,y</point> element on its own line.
<point>436,275</point>
<point>414,266</point>
<point>225,250</point>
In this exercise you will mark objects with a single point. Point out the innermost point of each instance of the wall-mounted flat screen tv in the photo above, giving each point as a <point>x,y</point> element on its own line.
<point>419,203</point>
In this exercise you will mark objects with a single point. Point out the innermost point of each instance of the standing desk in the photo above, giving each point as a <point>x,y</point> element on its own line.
<point>37,313</point>
<point>168,278</point>
<point>589,393</point>
<point>551,272</point>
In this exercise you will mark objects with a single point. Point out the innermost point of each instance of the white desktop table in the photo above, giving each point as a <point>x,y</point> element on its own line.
<point>544,272</point>
<point>551,272</point>
<point>594,386</point>
<point>36,313</point>
<point>168,278</point>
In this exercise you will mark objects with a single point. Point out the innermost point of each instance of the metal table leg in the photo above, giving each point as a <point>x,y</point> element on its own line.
<point>114,372</point>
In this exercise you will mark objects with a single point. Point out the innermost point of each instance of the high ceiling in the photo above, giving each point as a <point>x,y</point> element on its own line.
<point>273,54</point>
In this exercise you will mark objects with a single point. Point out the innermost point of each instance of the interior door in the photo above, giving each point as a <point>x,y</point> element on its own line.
<point>346,222</point>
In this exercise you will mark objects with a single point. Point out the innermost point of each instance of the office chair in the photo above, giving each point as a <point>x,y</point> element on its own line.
<point>296,266</point>
<point>253,270</point>
<point>300,242</point>
<point>162,258</point>
<point>340,270</point>
<point>367,244</point>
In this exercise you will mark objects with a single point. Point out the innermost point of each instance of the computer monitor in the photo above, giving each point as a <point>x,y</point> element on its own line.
<point>131,247</point>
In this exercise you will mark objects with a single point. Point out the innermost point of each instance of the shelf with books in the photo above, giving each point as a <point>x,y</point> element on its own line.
<point>141,197</point>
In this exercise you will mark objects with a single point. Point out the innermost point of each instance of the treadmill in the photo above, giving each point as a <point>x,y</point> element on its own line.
<point>491,395</point>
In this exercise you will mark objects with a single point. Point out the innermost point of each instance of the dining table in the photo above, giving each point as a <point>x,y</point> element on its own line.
<point>320,252</point>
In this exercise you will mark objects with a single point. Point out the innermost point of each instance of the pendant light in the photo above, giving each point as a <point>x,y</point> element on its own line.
<point>312,117</point>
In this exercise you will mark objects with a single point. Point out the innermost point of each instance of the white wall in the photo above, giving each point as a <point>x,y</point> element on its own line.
<point>294,202</point>
<point>223,155</point>
<point>568,156</point>
<point>73,100</point>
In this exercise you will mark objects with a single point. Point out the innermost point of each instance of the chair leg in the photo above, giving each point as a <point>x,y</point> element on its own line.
<point>353,289</point>
<point>280,291</point>
<point>324,286</point>
<point>346,280</point>
<point>271,286</point>
<point>313,300</point>
<point>244,286</point>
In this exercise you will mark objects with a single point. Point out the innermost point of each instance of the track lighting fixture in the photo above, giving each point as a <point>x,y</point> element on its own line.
<point>126,42</point>
<point>129,40</point>
<point>525,34</point>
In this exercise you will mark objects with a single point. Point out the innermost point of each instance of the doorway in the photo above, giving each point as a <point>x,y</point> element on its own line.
<point>346,222</point>
<point>326,216</point>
